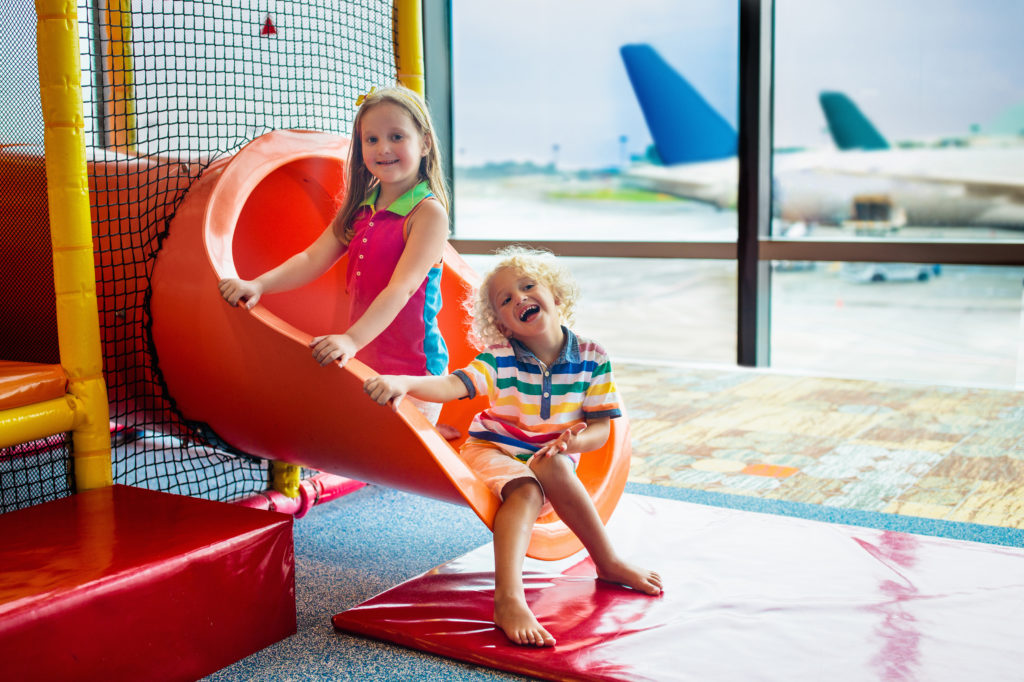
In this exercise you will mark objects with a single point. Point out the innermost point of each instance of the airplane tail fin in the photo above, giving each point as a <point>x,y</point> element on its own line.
<point>849,127</point>
<point>684,126</point>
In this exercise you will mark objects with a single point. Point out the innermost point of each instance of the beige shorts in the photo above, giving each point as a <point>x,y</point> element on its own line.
<point>497,468</point>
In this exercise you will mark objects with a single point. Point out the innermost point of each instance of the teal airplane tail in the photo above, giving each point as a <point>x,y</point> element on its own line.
<point>849,127</point>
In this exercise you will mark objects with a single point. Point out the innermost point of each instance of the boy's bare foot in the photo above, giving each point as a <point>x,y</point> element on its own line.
<point>448,432</point>
<point>519,624</point>
<point>648,582</point>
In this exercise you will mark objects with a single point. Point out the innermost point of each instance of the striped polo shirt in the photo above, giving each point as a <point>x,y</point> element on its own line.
<point>532,404</point>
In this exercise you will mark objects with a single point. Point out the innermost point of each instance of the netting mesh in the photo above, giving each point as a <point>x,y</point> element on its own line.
<point>35,472</point>
<point>181,84</point>
<point>39,471</point>
<point>169,87</point>
<point>27,314</point>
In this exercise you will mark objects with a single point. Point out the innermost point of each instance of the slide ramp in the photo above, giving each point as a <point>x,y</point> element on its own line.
<point>250,376</point>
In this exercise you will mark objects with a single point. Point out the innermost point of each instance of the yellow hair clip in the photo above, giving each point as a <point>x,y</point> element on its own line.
<point>362,98</point>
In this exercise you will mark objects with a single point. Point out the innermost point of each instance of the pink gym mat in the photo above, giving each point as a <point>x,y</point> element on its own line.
<point>748,596</point>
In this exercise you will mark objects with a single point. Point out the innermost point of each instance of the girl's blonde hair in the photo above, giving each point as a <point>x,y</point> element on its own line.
<point>539,265</point>
<point>360,181</point>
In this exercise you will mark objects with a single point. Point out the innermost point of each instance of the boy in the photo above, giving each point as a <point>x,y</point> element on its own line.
<point>552,397</point>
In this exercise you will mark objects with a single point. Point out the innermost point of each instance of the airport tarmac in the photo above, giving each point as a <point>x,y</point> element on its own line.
<point>962,325</point>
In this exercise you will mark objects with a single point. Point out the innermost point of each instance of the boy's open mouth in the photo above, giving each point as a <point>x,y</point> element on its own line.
<point>528,313</point>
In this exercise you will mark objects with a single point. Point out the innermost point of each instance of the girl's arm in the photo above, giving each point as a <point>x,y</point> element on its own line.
<point>428,232</point>
<point>579,438</point>
<point>440,389</point>
<point>298,270</point>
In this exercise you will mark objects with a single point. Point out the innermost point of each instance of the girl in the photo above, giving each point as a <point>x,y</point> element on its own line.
<point>394,225</point>
<point>552,397</point>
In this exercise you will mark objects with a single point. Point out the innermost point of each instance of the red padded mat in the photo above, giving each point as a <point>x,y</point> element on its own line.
<point>748,596</point>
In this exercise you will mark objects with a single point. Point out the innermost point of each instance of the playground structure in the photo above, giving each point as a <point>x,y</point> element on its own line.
<point>149,352</point>
<point>128,144</point>
<point>249,376</point>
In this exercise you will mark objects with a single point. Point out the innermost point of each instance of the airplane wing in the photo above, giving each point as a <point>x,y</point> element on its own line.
<point>712,182</point>
<point>979,172</point>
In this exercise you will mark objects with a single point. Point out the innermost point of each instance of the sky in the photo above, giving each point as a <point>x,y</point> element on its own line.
<point>532,74</point>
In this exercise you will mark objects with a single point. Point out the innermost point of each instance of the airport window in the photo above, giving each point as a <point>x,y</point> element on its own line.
<point>909,129</point>
<point>677,311</point>
<point>566,120</point>
<point>895,145</point>
<point>554,110</point>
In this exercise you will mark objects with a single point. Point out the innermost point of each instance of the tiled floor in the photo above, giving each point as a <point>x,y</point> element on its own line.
<point>932,451</point>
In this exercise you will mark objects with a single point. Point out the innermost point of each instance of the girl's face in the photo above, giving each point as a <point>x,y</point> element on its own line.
<point>392,145</point>
<point>525,307</point>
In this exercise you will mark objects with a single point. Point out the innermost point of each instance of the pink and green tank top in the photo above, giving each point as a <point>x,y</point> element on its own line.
<point>412,343</point>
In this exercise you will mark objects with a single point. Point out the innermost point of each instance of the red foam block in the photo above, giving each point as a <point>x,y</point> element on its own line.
<point>122,583</point>
<point>748,596</point>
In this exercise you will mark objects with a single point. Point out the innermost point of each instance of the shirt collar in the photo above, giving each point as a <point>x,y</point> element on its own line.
<point>570,349</point>
<point>403,204</point>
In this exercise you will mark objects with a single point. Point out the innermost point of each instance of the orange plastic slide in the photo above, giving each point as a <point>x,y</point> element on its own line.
<point>250,375</point>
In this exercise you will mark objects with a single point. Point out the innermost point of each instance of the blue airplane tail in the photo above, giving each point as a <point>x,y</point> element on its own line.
<point>684,126</point>
<point>849,127</point>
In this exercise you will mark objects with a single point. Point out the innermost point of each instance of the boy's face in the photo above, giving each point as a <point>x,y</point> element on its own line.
<point>524,307</point>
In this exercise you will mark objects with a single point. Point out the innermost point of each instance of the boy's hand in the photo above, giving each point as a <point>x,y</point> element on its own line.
<point>566,442</point>
<point>384,389</point>
<point>237,291</point>
<point>327,349</point>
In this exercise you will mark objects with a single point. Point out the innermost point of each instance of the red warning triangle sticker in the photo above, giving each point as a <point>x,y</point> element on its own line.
<point>268,28</point>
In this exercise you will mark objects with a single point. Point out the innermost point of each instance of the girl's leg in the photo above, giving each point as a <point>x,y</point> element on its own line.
<point>513,524</point>
<point>432,411</point>
<point>574,506</point>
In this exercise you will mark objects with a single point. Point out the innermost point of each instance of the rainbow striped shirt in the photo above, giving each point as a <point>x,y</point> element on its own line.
<point>532,404</point>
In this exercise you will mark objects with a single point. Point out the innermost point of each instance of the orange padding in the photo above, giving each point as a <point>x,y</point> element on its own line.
<point>24,383</point>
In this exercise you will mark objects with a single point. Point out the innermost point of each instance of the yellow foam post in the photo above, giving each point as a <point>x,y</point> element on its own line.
<point>38,420</point>
<point>71,234</point>
<point>408,23</point>
<point>119,75</point>
<point>285,478</point>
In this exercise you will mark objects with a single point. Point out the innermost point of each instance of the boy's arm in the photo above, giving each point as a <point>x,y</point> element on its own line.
<point>579,438</point>
<point>392,388</point>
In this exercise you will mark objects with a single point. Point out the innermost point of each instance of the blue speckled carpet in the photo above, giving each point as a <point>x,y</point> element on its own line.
<point>351,549</point>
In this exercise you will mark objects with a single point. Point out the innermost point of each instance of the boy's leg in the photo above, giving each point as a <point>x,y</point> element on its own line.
<point>513,525</point>
<point>571,501</point>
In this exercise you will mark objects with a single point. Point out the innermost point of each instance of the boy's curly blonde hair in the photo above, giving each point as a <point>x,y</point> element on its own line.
<point>537,264</point>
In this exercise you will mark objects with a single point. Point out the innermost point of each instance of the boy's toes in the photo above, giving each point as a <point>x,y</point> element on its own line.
<point>653,583</point>
<point>531,637</point>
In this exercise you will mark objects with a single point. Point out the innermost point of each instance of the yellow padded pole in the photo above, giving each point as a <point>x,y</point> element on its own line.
<point>285,478</point>
<point>119,76</point>
<point>408,28</point>
<point>39,420</point>
<point>71,234</point>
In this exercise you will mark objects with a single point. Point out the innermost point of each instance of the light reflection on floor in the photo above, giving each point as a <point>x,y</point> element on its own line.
<point>937,452</point>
